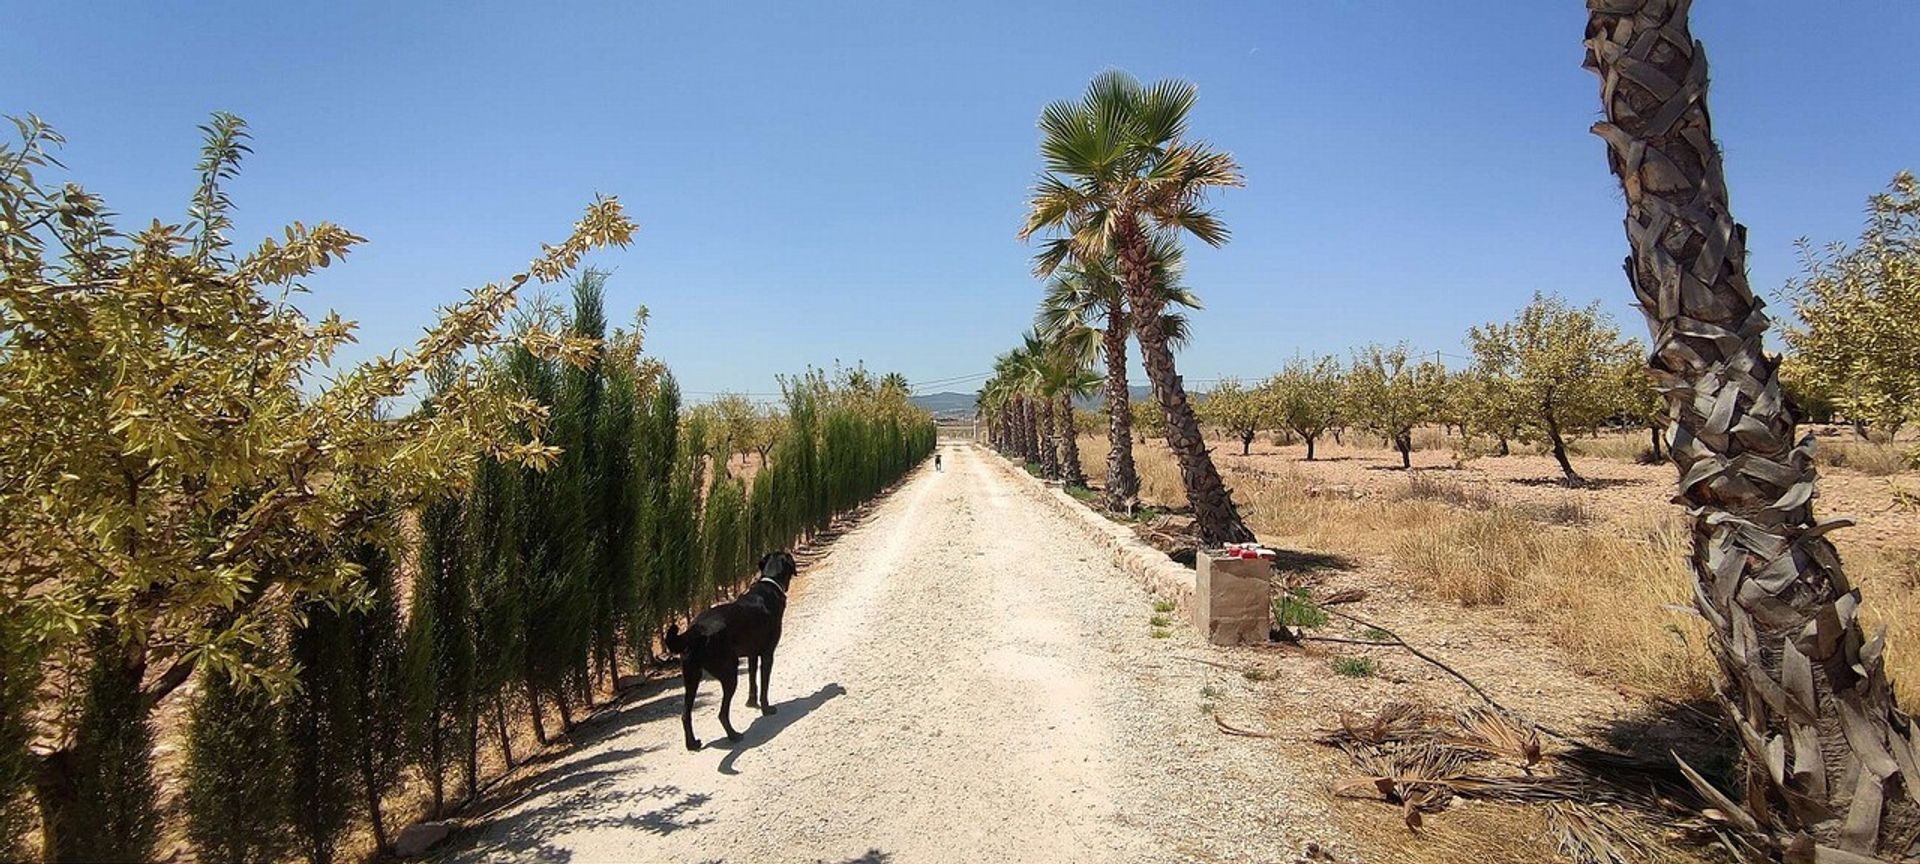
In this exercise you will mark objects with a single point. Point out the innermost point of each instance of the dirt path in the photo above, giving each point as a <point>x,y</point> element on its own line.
<point>962,679</point>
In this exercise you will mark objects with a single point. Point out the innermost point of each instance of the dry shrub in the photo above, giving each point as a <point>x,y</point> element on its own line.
<point>1622,606</point>
<point>1431,438</point>
<point>1469,558</point>
<point>1569,511</point>
<point>1425,487</point>
<point>1889,578</point>
<point>1625,446</point>
<point>1872,458</point>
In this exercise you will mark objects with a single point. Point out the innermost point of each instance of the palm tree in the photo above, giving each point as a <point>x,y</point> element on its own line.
<point>1037,362</point>
<point>1056,371</point>
<point>1087,296</point>
<point>1071,377</point>
<point>1122,180</point>
<point>1830,761</point>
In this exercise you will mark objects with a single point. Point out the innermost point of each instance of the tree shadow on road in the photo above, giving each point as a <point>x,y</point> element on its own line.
<point>766,726</point>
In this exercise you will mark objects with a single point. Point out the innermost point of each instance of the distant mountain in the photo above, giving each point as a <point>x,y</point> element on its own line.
<point>947,404</point>
<point>960,405</point>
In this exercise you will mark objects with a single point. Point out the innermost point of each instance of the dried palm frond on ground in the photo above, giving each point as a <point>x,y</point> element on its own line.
<point>1417,775</point>
<point>1602,807</point>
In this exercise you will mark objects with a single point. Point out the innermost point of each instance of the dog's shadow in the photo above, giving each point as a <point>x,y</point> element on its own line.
<point>766,726</point>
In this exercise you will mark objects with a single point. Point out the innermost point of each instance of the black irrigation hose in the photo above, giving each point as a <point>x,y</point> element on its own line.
<point>1563,737</point>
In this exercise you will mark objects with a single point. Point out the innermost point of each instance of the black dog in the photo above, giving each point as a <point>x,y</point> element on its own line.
<point>748,627</point>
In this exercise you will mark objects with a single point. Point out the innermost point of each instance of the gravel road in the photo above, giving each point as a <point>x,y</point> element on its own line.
<point>962,678</point>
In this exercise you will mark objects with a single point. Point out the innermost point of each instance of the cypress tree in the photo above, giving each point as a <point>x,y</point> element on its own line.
<point>683,543</point>
<point>106,807</point>
<point>657,448</point>
<point>500,606</point>
<point>579,428</point>
<point>378,700</point>
<point>541,498</point>
<point>19,679</point>
<point>345,723</point>
<point>322,728</point>
<point>619,588</point>
<point>236,774</point>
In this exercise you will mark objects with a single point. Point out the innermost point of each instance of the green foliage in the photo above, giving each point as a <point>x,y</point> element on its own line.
<point>662,530</point>
<point>1307,397</point>
<point>1482,403</point>
<point>440,656</point>
<point>181,458</point>
<point>1354,667</point>
<point>1856,344</point>
<point>1296,609</point>
<point>1240,411</point>
<point>1389,394</point>
<point>1555,371</point>
<point>110,808</point>
<point>346,720</point>
<point>378,696</point>
<point>1148,420</point>
<point>323,727</point>
<point>236,786</point>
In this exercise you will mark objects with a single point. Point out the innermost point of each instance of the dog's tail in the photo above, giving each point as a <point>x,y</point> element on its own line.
<point>675,640</point>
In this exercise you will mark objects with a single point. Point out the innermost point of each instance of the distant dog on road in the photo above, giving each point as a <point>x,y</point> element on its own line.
<point>748,627</point>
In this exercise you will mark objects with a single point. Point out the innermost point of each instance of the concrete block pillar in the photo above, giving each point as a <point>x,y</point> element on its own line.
<point>1233,599</point>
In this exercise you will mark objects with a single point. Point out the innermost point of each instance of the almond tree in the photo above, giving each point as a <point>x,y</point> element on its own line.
<point>1240,411</point>
<point>1390,395</point>
<point>1122,179</point>
<point>1307,397</point>
<point>179,464</point>
<point>1557,366</point>
<point>1829,760</point>
<point>1857,308</point>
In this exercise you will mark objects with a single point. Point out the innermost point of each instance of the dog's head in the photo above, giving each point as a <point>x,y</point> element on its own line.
<point>778,566</point>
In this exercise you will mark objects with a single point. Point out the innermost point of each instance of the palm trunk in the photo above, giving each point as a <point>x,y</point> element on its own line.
<point>1123,484</point>
<point>1049,445</point>
<point>1829,760</point>
<point>1213,509</point>
<point>1071,472</point>
<point>1033,432</point>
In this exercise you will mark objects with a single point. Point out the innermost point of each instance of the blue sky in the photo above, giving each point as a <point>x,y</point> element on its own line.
<point>843,181</point>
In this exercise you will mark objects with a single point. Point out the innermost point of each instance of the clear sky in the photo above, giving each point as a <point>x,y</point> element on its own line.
<point>843,181</point>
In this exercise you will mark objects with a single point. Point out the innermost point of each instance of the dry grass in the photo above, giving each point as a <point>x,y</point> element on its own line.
<point>1616,594</point>
<point>1426,487</point>
<point>1873,458</point>
<point>1608,599</point>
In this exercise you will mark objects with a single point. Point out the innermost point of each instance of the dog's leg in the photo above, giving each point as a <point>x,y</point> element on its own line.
<point>753,680</point>
<point>729,679</point>
<point>766,684</point>
<point>690,675</point>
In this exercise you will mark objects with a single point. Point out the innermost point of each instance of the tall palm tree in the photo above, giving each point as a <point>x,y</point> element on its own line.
<point>1037,371</point>
<point>1122,179</point>
<point>1086,295</point>
<point>1830,760</point>
<point>1072,377</point>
